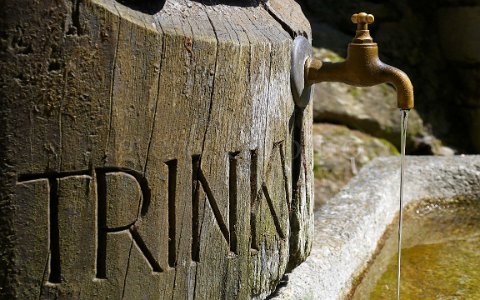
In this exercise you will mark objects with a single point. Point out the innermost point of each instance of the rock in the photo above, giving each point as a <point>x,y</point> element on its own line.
<point>339,153</point>
<point>372,110</point>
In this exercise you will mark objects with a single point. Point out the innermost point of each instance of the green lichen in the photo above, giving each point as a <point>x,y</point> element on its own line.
<point>334,57</point>
<point>354,91</point>
<point>392,149</point>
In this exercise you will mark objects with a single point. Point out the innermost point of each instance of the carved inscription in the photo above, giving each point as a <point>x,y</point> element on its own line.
<point>123,196</point>
<point>116,200</point>
<point>172,189</point>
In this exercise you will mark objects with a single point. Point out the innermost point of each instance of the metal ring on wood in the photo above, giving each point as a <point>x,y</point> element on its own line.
<point>301,51</point>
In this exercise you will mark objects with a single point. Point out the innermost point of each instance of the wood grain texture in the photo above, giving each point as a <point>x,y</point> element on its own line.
<point>31,229</point>
<point>159,149</point>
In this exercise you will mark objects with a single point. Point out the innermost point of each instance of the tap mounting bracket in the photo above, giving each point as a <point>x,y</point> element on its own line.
<point>301,51</point>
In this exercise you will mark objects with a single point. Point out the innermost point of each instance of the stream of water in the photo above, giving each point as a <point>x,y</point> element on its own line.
<point>404,124</point>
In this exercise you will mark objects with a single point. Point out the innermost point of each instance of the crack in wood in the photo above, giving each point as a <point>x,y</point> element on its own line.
<point>126,270</point>
<point>156,98</point>
<point>279,20</point>
<point>112,82</point>
<point>253,198</point>
<point>209,116</point>
<point>44,275</point>
<point>60,113</point>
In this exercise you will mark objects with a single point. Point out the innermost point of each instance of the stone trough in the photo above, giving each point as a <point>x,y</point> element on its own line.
<point>349,227</point>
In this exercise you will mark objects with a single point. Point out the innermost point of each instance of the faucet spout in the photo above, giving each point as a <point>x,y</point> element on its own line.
<point>362,66</point>
<point>363,71</point>
<point>402,84</point>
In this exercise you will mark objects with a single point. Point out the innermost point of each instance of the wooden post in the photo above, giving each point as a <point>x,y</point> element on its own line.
<point>147,150</point>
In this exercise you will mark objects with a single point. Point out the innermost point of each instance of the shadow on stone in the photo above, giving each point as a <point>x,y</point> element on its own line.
<point>240,3</point>
<point>145,6</point>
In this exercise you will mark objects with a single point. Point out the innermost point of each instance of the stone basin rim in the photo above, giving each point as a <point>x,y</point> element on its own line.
<point>350,225</point>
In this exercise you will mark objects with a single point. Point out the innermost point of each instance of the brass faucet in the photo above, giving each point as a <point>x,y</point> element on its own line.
<point>362,67</point>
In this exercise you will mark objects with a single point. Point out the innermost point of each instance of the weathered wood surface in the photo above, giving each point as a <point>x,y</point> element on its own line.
<point>150,152</point>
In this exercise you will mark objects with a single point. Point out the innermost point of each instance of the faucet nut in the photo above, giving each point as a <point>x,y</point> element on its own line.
<point>362,18</point>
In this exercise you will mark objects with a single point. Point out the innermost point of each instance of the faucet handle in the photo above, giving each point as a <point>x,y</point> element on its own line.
<point>363,18</point>
<point>362,35</point>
